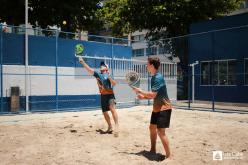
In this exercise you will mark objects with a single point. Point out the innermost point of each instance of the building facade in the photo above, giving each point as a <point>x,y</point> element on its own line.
<point>220,47</point>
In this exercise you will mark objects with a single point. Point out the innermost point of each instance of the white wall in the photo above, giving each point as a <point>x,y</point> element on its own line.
<point>71,81</point>
<point>42,81</point>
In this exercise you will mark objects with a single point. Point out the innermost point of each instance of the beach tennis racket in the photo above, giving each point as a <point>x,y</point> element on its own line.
<point>79,49</point>
<point>133,79</point>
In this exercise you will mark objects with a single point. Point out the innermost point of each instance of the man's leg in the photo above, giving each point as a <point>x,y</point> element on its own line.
<point>153,137</point>
<point>165,142</point>
<point>115,117</point>
<point>107,118</point>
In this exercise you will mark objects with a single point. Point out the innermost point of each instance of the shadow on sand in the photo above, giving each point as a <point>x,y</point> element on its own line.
<point>149,155</point>
<point>104,132</point>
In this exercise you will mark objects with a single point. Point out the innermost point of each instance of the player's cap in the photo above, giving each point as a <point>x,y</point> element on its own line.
<point>103,66</point>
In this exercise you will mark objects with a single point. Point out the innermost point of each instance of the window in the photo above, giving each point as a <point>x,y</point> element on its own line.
<point>138,37</point>
<point>215,73</point>
<point>151,51</point>
<point>205,73</point>
<point>163,50</point>
<point>246,71</point>
<point>231,79</point>
<point>141,37</point>
<point>138,52</point>
<point>223,72</point>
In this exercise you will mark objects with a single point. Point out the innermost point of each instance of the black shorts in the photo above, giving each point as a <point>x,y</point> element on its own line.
<point>106,101</point>
<point>161,119</point>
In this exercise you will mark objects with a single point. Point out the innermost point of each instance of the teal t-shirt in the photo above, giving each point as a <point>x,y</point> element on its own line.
<point>103,83</point>
<point>161,101</point>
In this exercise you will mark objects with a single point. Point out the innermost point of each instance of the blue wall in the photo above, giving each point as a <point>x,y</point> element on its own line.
<point>42,52</point>
<point>220,45</point>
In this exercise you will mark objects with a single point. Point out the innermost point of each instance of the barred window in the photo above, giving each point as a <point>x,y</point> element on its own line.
<point>138,52</point>
<point>224,72</point>
<point>151,51</point>
<point>205,73</point>
<point>231,79</point>
<point>215,73</point>
<point>163,50</point>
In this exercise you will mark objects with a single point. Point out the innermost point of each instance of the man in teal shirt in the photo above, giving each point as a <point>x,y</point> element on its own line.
<point>160,118</point>
<point>105,83</point>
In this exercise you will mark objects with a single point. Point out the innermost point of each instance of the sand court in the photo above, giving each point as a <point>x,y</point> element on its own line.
<point>74,138</point>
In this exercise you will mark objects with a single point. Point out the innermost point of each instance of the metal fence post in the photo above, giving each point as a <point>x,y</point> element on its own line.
<point>212,72</point>
<point>1,67</point>
<point>27,75</point>
<point>189,87</point>
<point>56,68</point>
<point>112,56</point>
<point>193,80</point>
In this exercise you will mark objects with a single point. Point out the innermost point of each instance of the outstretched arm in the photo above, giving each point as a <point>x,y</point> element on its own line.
<point>86,66</point>
<point>142,97</point>
<point>145,94</point>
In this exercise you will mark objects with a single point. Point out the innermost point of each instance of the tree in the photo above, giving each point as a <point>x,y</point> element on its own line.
<point>12,11</point>
<point>114,18</point>
<point>164,18</point>
<point>78,14</point>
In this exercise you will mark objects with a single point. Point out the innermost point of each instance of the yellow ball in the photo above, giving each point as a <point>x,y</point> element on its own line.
<point>64,22</point>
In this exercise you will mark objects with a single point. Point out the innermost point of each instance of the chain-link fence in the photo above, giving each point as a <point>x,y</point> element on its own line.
<point>206,70</point>
<point>215,76</point>
<point>52,78</point>
<point>212,66</point>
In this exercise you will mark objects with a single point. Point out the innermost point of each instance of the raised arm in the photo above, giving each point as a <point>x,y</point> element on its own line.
<point>86,66</point>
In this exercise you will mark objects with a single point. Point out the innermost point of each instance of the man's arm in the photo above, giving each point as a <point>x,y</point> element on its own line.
<point>145,94</point>
<point>141,97</point>
<point>86,66</point>
<point>112,81</point>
